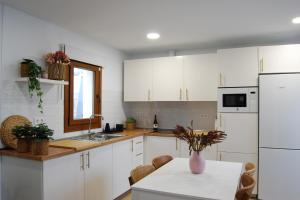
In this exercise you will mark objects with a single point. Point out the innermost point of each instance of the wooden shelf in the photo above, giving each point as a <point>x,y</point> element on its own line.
<point>45,81</point>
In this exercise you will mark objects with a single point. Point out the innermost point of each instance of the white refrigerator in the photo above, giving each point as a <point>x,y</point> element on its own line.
<point>279,137</point>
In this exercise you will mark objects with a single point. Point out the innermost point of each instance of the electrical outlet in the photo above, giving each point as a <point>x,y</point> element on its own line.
<point>38,120</point>
<point>204,116</point>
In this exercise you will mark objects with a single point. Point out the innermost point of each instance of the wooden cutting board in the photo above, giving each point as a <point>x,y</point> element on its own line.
<point>77,145</point>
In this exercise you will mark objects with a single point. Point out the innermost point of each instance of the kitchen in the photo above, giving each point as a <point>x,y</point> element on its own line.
<point>189,83</point>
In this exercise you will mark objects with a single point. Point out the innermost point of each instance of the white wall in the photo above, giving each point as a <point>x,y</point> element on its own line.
<point>25,36</point>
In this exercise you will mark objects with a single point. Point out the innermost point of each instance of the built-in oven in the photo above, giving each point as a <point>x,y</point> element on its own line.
<point>243,99</point>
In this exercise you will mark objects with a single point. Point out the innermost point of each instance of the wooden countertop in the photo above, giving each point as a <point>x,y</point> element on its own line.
<point>63,147</point>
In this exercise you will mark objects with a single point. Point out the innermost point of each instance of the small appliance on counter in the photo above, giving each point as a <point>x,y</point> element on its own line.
<point>118,128</point>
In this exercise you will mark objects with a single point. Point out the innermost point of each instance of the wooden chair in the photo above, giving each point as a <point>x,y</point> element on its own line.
<point>247,186</point>
<point>250,168</point>
<point>161,160</point>
<point>140,172</point>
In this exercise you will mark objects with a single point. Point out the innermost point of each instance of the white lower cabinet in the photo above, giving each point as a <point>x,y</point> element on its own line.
<point>210,153</point>
<point>157,146</point>
<point>97,174</point>
<point>122,165</point>
<point>85,175</point>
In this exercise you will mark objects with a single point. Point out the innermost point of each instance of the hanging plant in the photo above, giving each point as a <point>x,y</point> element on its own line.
<point>34,86</point>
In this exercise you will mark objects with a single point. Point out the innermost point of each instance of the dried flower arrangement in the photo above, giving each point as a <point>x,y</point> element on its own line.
<point>57,57</point>
<point>198,140</point>
<point>57,63</point>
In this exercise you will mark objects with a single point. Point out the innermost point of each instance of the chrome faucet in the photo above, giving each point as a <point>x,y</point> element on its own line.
<point>92,116</point>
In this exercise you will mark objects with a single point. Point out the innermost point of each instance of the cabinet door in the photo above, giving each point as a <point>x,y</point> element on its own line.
<point>157,146</point>
<point>279,59</point>
<point>210,153</point>
<point>122,165</point>
<point>238,67</point>
<point>64,178</point>
<point>200,77</point>
<point>167,79</point>
<point>241,130</point>
<point>138,80</point>
<point>240,157</point>
<point>98,173</point>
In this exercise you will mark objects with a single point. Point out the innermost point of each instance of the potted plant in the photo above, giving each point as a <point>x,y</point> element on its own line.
<point>24,136</point>
<point>41,136</point>
<point>130,123</point>
<point>33,71</point>
<point>198,141</point>
<point>57,62</point>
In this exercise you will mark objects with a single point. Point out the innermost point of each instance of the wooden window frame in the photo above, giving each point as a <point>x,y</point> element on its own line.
<point>70,124</point>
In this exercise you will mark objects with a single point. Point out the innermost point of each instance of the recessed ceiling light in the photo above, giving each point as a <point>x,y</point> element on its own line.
<point>296,20</point>
<point>153,36</point>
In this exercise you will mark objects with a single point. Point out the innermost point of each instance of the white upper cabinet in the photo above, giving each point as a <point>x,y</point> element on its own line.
<point>279,59</point>
<point>138,80</point>
<point>238,67</point>
<point>167,79</point>
<point>200,77</point>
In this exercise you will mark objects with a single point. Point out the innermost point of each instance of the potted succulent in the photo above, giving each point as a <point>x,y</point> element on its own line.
<point>198,141</point>
<point>41,136</point>
<point>57,63</point>
<point>130,123</point>
<point>24,137</point>
<point>33,71</point>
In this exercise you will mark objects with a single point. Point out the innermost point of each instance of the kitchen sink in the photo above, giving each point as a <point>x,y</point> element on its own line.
<point>98,137</point>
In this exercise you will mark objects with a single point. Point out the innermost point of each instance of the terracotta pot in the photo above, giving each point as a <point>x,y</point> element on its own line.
<point>130,126</point>
<point>57,71</point>
<point>197,162</point>
<point>23,145</point>
<point>40,147</point>
<point>24,70</point>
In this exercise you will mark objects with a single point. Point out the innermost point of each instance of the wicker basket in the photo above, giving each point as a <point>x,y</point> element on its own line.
<point>8,138</point>
<point>57,71</point>
<point>24,70</point>
<point>130,126</point>
<point>23,145</point>
<point>40,147</point>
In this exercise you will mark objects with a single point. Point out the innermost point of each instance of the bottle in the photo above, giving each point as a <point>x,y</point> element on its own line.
<point>155,124</point>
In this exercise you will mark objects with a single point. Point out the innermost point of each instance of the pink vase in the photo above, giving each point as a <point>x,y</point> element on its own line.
<point>197,162</point>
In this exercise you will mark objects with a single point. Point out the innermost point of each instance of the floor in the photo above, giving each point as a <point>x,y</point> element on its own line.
<point>126,196</point>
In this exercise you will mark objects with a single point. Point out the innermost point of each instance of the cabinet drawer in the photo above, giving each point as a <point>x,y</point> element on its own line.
<point>138,160</point>
<point>138,145</point>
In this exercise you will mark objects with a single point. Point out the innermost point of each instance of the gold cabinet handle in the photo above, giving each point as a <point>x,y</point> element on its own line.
<point>149,94</point>
<point>176,144</point>
<point>88,160</point>
<point>132,145</point>
<point>220,79</point>
<point>82,161</point>
<point>220,120</point>
<point>187,94</point>
<point>180,95</point>
<point>139,142</point>
<point>139,154</point>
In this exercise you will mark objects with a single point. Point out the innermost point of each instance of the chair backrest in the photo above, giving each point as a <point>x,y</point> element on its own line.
<point>161,160</point>
<point>250,168</point>
<point>140,172</point>
<point>247,186</point>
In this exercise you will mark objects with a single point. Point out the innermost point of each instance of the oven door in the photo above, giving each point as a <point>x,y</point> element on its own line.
<point>233,100</point>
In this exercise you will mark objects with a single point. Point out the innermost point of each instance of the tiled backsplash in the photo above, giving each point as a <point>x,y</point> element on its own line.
<point>169,114</point>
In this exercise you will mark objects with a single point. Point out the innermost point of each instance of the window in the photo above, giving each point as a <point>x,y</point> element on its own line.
<point>82,96</point>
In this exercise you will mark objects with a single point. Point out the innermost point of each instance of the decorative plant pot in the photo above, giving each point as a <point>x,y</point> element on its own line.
<point>23,145</point>
<point>24,70</point>
<point>40,147</point>
<point>57,71</point>
<point>197,163</point>
<point>130,126</point>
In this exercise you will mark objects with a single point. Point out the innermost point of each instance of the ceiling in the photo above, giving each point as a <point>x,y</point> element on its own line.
<point>183,24</point>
